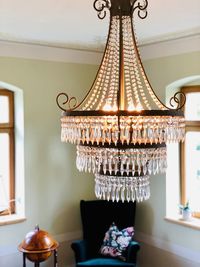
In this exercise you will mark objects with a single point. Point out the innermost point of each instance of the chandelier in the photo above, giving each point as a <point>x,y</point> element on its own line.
<point>121,127</point>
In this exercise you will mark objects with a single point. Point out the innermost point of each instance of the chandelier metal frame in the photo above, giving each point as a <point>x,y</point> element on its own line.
<point>112,143</point>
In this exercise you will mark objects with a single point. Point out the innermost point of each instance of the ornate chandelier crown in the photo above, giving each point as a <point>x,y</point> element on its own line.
<point>121,127</point>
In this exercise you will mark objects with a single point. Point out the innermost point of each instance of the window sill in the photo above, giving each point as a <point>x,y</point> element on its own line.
<point>11,219</point>
<point>194,223</point>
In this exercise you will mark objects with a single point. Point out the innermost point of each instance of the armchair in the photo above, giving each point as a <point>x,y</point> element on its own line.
<point>97,216</point>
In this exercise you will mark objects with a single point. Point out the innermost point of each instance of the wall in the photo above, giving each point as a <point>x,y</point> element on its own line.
<point>151,214</point>
<point>53,186</point>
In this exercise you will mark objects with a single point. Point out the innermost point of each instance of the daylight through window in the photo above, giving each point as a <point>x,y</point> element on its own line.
<point>7,175</point>
<point>190,151</point>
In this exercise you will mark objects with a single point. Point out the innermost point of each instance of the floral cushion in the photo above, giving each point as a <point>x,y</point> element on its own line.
<point>115,241</point>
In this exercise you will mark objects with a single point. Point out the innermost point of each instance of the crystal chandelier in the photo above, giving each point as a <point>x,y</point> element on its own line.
<point>121,127</point>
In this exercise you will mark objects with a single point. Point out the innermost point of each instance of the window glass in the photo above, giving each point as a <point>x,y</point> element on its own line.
<point>4,171</point>
<point>4,109</point>
<point>192,107</point>
<point>192,154</point>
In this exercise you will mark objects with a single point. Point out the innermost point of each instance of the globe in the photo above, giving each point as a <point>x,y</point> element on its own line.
<point>38,245</point>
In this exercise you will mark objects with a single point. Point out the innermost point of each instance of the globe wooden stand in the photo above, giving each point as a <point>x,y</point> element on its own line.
<point>37,264</point>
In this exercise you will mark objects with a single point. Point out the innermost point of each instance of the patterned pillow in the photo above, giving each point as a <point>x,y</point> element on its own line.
<point>115,241</point>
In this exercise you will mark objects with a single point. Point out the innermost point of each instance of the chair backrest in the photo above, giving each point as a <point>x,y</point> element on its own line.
<point>98,215</point>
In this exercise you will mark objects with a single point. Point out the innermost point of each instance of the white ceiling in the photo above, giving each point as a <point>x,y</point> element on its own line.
<point>74,23</point>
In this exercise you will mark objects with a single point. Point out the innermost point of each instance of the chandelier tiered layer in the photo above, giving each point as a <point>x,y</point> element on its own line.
<point>121,127</point>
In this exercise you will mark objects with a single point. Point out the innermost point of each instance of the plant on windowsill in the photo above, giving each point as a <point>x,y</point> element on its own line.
<point>186,211</point>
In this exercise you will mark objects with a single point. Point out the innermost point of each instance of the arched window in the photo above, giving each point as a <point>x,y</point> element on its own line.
<point>12,201</point>
<point>183,172</point>
<point>190,150</point>
<point>7,155</point>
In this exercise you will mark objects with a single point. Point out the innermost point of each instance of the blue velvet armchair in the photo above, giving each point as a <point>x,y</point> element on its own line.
<point>97,216</point>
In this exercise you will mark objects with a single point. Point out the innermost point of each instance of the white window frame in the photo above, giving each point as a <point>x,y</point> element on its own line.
<point>173,178</point>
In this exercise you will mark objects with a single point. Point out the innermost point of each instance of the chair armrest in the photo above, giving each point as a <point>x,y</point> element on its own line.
<point>80,249</point>
<point>132,250</point>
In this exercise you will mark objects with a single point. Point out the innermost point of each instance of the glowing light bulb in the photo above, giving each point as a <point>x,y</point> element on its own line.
<point>115,107</point>
<point>139,107</point>
<point>131,106</point>
<point>107,107</point>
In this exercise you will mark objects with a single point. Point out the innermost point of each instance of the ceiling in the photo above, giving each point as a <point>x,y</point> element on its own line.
<point>74,23</point>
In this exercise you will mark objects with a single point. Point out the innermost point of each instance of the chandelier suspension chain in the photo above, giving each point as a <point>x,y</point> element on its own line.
<point>135,72</point>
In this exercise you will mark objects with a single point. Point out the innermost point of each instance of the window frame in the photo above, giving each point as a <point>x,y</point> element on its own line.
<point>192,126</point>
<point>9,128</point>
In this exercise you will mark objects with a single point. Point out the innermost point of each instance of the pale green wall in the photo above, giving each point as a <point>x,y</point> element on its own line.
<point>150,215</point>
<point>53,186</point>
<point>163,71</point>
